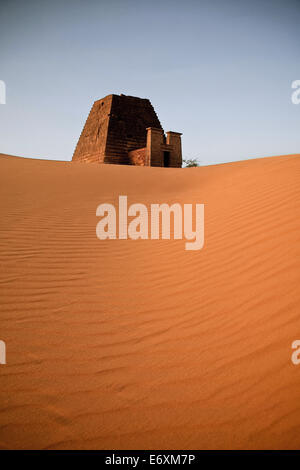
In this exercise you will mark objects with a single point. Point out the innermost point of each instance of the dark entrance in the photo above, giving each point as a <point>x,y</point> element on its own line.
<point>166,159</point>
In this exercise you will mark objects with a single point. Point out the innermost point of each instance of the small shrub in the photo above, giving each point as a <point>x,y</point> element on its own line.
<point>191,162</point>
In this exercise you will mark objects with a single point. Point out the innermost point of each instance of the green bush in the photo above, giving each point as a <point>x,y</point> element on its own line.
<point>191,162</point>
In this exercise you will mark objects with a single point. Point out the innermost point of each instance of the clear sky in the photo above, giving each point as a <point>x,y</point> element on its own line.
<point>219,71</point>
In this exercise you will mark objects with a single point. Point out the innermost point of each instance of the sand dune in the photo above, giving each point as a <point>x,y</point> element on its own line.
<point>124,344</point>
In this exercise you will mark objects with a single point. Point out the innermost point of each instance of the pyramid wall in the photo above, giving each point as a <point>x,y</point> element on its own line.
<point>115,126</point>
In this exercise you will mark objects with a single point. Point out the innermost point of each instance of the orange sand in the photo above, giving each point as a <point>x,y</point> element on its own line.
<point>142,344</point>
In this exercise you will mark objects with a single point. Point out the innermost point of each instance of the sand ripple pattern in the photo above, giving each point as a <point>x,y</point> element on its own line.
<point>141,344</point>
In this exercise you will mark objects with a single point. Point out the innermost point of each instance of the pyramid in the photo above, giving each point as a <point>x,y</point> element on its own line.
<point>124,129</point>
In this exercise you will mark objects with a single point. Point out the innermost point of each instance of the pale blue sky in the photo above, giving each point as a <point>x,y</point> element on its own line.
<point>218,71</point>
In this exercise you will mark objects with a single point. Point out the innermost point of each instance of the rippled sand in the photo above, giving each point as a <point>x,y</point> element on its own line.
<point>123,344</point>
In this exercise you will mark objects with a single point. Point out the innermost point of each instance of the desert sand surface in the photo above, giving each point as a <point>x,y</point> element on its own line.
<point>141,344</point>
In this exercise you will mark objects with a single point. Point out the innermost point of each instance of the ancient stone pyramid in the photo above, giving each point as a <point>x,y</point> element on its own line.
<point>116,125</point>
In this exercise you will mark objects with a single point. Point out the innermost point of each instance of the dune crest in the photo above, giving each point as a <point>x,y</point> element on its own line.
<point>124,344</point>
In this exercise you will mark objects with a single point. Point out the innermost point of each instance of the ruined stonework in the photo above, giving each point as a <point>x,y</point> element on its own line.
<point>126,130</point>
